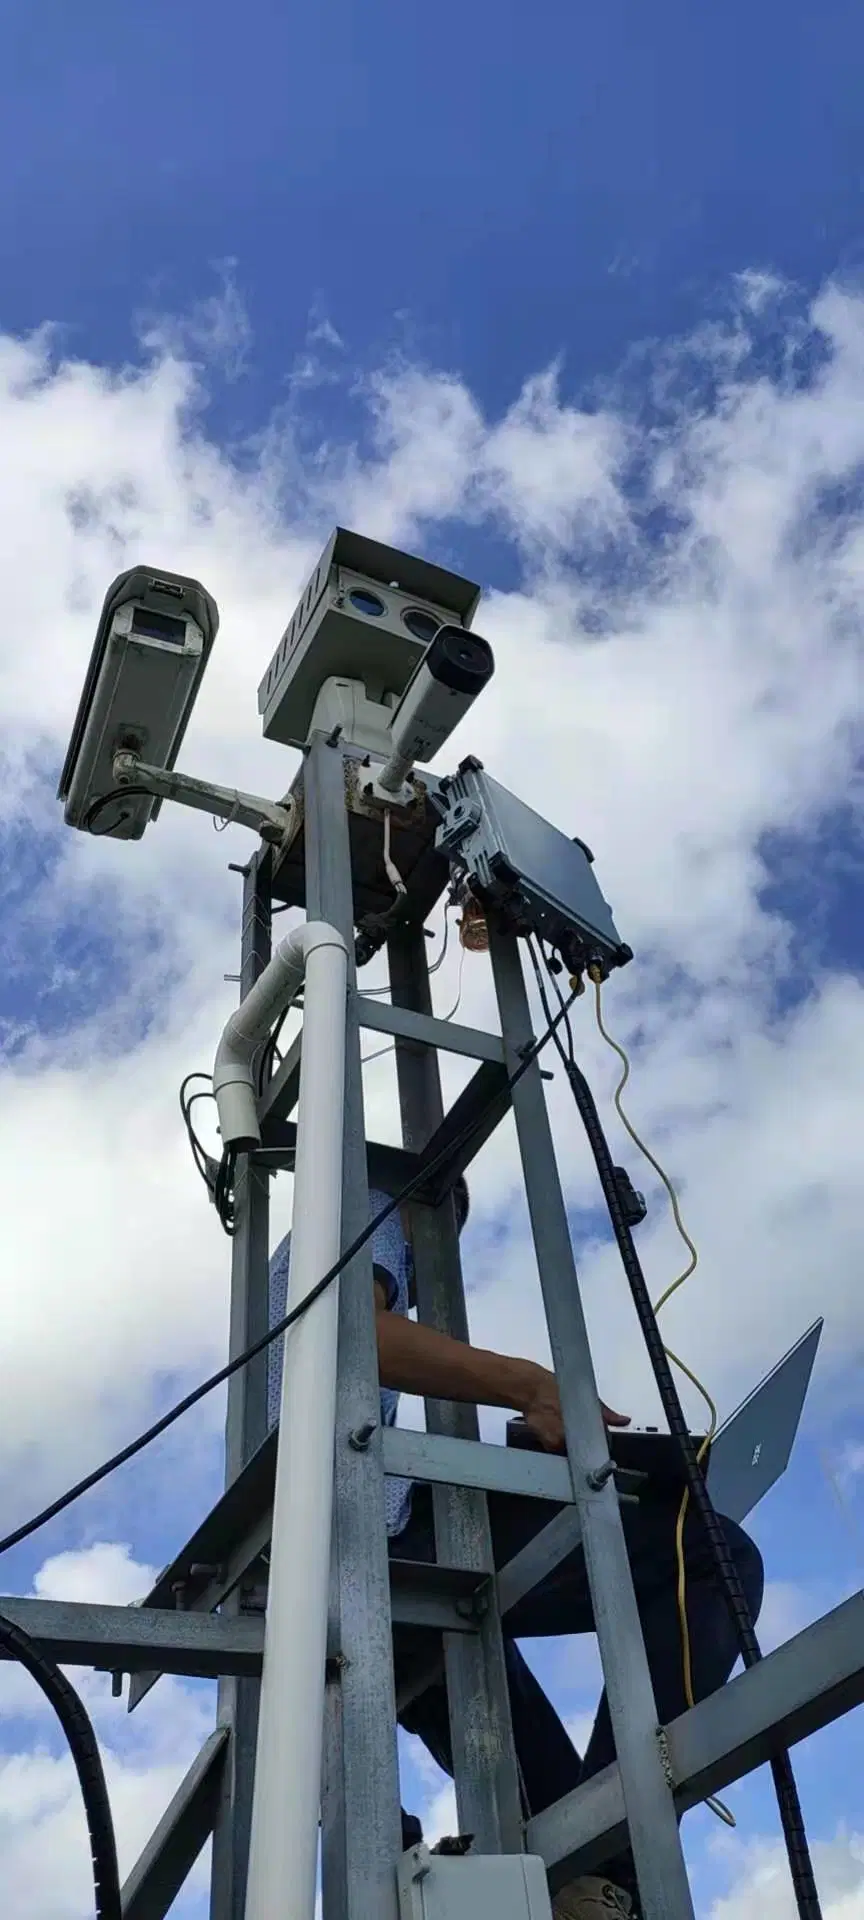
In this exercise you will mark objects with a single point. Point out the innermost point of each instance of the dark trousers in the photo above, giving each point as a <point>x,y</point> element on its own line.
<point>561,1604</point>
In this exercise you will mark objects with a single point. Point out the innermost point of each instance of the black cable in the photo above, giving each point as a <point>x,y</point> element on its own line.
<point>270,1050</point>
<point>199,1154</point>
<point>800,1864</point>
<point>553,976</point>
<point>119,793</point>
<point>190,1400</point>
<point>83,1747</point>
<point>224,1191</point>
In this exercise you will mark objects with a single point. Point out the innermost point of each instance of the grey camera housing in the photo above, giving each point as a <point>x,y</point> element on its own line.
<point>154,639</point>
<point>332,637</point>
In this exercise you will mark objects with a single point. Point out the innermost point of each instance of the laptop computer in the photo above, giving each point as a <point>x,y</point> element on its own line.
<point>748,1453</point>
<point>751,1450</point>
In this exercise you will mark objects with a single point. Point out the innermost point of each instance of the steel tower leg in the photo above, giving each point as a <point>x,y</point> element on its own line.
<point>246,1428</point>
<point>652,1822</point>
<point>360,1789</point>
<point>486,1776</point>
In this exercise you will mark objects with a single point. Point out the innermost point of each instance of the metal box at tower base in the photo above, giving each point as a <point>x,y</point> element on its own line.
<point>537,879</point>
<point>475,1887</point>
<point>367,614</point>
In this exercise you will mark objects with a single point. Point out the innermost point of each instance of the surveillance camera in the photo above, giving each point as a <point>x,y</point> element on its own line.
<point>153,641</point>
<point>445,683</point>
<point>363,622</point>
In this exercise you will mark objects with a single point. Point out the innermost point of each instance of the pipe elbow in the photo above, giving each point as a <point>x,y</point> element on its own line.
<point>274,991</point>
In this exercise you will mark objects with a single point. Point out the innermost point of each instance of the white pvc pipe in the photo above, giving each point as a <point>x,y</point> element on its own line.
<point>284,1841</point>
<point>273,991</point>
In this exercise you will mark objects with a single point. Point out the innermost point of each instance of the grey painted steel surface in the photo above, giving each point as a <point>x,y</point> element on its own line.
<point>246,1426</point>
<point>360,1789</point>
<point>122,1639</point>
<point>486,1774</point>
<point>173,1848</point>
<point>651,1813</point>
<point>800,1687</point>
<point>409,1024</point>
<point>451,1460</point>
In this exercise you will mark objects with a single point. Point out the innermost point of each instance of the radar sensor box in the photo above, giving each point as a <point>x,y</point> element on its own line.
<point>538,880</point>
<point>367,614</point>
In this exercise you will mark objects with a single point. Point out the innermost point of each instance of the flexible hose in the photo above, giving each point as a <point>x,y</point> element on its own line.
<point>800,1864</point>
<point>76,1725</point>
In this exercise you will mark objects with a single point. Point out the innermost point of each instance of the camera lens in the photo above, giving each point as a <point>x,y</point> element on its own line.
<point>368,603</point>
<point>424,626</point>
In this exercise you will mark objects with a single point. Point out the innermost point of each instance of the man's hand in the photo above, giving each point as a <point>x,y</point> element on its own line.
<point>541,1408</point>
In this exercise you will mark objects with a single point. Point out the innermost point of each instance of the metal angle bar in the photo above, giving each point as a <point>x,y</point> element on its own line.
<point>389,1168</point>
<point>203,1592</point>
<point>540,1556</point>
<point>237,1529</point>
<point>281,1094</point>
<point>186,1825</point>
<point>423,1593</point>
<point>464,1130</point>
<point>427,1031</point>
<point>466,1127</point>
<point>484,1760</point>
<point>800,1687</point>
<point>654,1837</point>
<point>795,1691</point>
<point>549,1547</point>
<point>247,1501</point>
<point>444,1460</point>
<point>122,1639</point>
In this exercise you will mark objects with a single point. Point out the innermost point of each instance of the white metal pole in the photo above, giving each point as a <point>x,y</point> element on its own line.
<point>283,1849</point>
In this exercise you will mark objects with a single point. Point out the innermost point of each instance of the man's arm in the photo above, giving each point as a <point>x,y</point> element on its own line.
<point>416,1359</point>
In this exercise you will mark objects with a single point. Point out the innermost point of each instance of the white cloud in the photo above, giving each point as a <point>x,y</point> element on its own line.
<point>761,1888</point>
<point>105,1573</point>
<point>43,1838</point>
<point>216,332</point>
<point>673,700</point>
<point>851,1463</point>
<point>43,1835</point>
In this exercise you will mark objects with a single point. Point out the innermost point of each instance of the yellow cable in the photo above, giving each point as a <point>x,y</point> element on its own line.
<point>661,1174</point>
<point>716,1805</point>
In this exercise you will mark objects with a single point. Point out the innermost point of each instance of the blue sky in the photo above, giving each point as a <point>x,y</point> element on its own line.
<point>573,302</point>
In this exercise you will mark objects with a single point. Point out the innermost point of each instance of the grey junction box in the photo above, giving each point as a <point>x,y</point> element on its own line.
<point>541,881</point>
<point>474,1887</point>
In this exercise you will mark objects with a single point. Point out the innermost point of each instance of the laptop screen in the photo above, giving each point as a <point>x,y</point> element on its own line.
<point>752,1448</point>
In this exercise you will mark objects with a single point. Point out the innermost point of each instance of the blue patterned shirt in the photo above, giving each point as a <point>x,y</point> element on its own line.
<point>391,1252</point>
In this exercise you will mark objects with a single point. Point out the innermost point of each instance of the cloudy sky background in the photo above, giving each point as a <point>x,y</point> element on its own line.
<point>653,460</point>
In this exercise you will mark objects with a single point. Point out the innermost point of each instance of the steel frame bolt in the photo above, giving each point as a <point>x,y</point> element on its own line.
<point>362,1436</point>
<point>598,1478</point>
